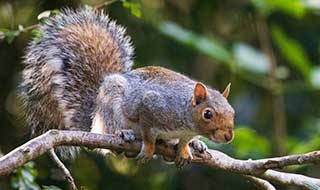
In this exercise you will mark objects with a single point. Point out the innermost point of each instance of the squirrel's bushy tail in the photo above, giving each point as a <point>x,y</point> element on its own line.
<point>66,65</point>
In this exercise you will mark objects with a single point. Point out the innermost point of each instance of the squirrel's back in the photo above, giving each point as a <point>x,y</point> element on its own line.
<point>65,67</point>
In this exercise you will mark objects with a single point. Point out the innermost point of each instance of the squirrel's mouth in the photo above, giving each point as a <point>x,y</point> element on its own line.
<point>221,136</point>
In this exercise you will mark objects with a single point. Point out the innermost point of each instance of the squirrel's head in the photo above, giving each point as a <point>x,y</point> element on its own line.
<point>213,116</point>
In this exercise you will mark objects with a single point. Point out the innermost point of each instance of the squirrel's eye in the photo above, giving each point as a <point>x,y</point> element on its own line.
<point>207,114</point>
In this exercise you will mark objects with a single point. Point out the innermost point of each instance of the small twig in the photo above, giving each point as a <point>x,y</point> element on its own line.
<point>260,183</point>
<point>31,27</point>
<point>63,168</point>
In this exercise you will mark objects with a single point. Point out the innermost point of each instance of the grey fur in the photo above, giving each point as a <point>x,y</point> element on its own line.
<point>157,103</point>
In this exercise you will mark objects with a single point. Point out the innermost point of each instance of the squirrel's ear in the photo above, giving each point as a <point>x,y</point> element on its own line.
<point>199,94</point>
<point>226,91</point>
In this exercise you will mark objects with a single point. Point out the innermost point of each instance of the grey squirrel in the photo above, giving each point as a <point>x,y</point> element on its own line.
<point>78,76</point>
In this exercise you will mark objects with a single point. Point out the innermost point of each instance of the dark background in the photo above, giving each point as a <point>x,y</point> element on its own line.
<point>268,49</point>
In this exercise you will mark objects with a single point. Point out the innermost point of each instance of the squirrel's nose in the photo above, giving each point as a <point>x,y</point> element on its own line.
<point>228,136</point>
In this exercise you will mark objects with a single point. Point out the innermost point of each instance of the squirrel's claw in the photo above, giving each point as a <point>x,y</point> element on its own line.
<point>181,161</point>
<point>198,145</point>
<point>143,158</point>
<point>184,156</point>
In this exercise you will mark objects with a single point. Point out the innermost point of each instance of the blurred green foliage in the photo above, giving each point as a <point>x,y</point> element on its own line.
<point>210,47</point>
<point>294,8</point>
<point>24,178</point>
<point>212,41</point>
<point>246,137</point>
<point>292,52</point>
<point>134,8</point>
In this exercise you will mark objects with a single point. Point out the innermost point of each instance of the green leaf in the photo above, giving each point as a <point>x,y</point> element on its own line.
<point>31,185</point>
<point>22,185</point>
<point>251,59</point>
<point>299,147</point>
<point>247,143</point>
<point>294,8</point>
<point>26,175</point>
<point>29,165</point>
<point>55,12</point>
<point>36,33</point>
<point>24,178</point>
<point>292,51</point>
<point>11,35</point>
<point>208,46</point>
<point>44,14</point>
<point>211,47</point>
<point>134,8</point>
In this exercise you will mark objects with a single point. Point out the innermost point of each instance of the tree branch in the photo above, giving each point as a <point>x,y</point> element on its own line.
<point>212,158</point>
<point>53,156</point>
<point>260,183</point>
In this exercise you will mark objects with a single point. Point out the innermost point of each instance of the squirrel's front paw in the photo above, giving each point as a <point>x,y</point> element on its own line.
<point>183,157</point>
<point>198,145</point>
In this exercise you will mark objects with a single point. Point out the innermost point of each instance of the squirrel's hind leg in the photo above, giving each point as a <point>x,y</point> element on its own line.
<point>151,116</point>
<point>148,145</point>
<point>108,117</point>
